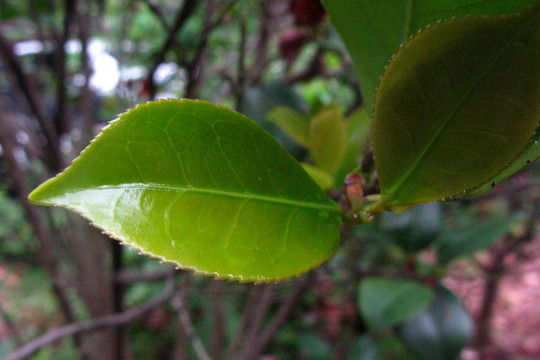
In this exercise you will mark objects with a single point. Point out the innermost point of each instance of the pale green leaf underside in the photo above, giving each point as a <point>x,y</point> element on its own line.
<point>456,105</point>
<point>373,30</point>
<point>203,187</point>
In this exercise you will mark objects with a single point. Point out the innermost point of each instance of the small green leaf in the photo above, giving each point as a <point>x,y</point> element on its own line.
<point>321,177</point>
<point>203,187</point>
<point>386,302</point>
<point>456,105</point>
<point>358,131</point>
<point>454,243</point>
<point>328,139</point>
<point>530,154</point>
<point>291,122</point>
<point>440,331</point>
<point>373,30</point>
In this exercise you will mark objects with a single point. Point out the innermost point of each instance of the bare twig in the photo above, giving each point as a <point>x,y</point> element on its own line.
<point>10,326</point>
<point>54,335</point>
<point>28,88</point>
<point>261,52</point>
<point>183,14</point>
<point>241,68</point>
<point>60,66</point>
<point>255,322</point>
<point>47,255</point>
<point>495,271</point>
<point>247,314</point>
<point>219,315</point>
<point>278,319</point>
<point>157,12</point>
<point>179,304</point>
<point>86,94</point>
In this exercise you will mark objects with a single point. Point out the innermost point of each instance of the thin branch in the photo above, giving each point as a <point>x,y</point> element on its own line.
<point>86,94</point>
<point>278,319</point>
<point>241,69</point>
<point>219,315</point>
<point>261,52</point>
<point>255,321</point>
<point>47,257</point>
<point>183,14</point>
<point>10,326</point>
<point>157,12</point>
<point>54,335</point>
<point>185,321</point>
<point>60,67</point>
<point>247,314</point>
<point>28,88</point>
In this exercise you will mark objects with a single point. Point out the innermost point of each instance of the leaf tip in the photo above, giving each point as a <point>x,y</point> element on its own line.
<point>41,195</point>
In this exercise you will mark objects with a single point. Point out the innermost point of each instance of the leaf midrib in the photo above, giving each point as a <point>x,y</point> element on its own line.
<point>232,194</point>
<point>395,189</point>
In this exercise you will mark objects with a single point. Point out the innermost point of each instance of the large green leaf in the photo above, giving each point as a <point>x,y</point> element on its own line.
<point>203,187</point>
<point>531,153</point>
<point>456,105</point>
<point>386,302</point>
<point>373,30</point>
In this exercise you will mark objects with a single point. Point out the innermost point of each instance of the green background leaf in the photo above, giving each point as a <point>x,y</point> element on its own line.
<point>440,331</point>
<point>328,139</point>
<point>373,30</point>
<point>455,106</point>
<point>291,122</point>
<point>386,302</point>
<point>454,243</point>
<point>203,187</point>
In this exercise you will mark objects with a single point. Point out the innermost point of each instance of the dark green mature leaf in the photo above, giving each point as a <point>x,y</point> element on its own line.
<point>440,331</point>
<point>203,187</point>
<point>454,243</point>
<point>531,153</point>
<point>373,30</point>
<point>386,302</point>
<point>457,104</point>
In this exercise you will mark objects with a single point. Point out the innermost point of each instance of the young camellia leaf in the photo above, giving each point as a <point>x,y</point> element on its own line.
<point>291,122</point>
<point>203,187</point>
<point>328,139</point>
<point>373,30</point>
<point>455,106</point>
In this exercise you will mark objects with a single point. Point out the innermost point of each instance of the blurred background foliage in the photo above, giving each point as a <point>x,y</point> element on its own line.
<point>398,288</point>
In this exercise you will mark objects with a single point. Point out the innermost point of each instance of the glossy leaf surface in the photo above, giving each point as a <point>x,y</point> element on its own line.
<point>386,302</point>
<point>373,30</point>
<point>456,105</point>
<point>203,187</point>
